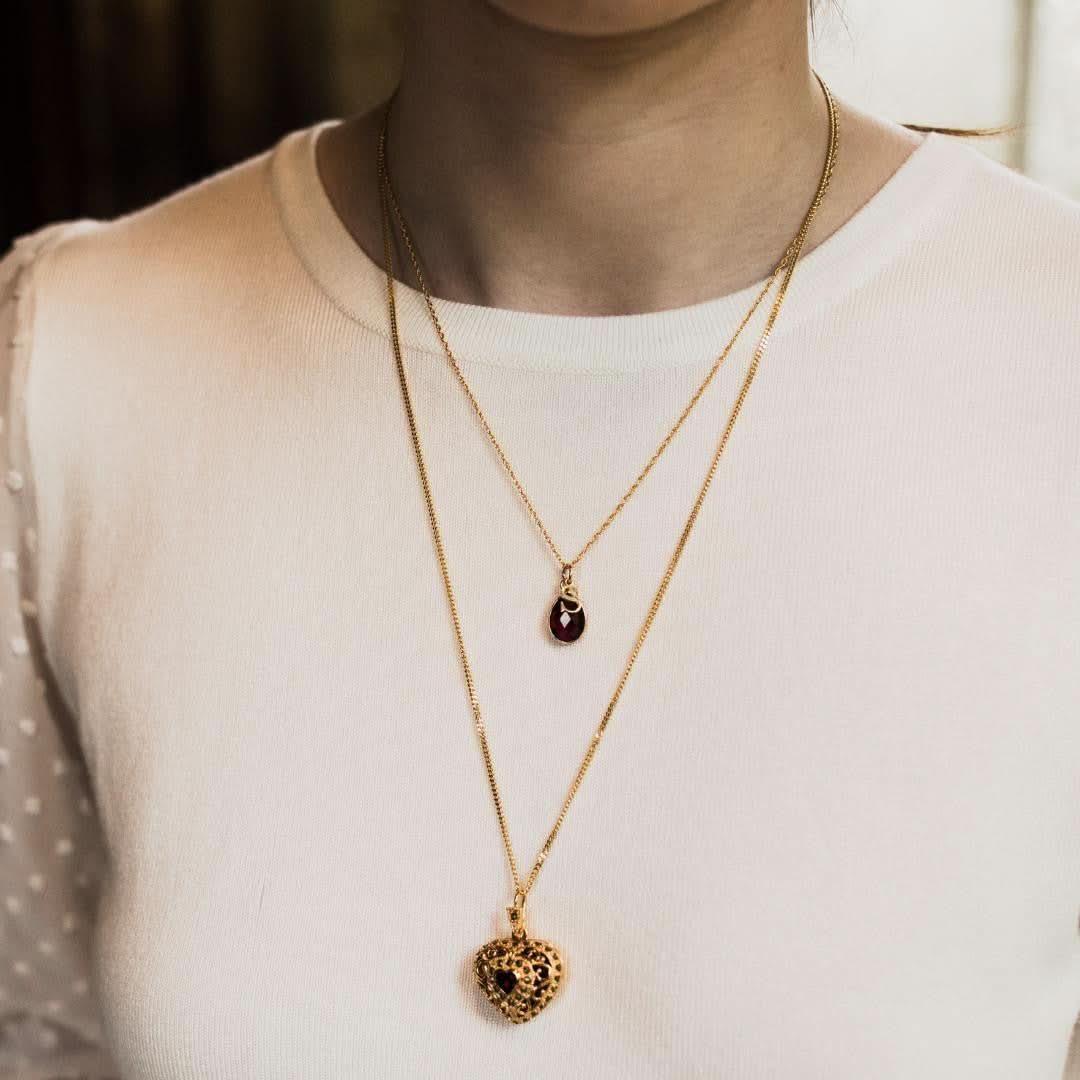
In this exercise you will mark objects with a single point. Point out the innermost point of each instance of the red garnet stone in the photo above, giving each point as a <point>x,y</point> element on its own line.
<point>567,624</point>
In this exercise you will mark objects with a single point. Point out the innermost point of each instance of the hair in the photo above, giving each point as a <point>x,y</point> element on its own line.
<point>1001,129</point>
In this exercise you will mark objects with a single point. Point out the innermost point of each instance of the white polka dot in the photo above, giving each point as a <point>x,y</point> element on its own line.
<point>28,607</point>
<point>54,1005</point>
<point>48,1038</point>
<point>19,645</point>
<point>7,833</point>
<point>27,725</point>
<point>32,804</point>
<point>80,986</point>
<point>36,882</point>
<point>13,904</point>
<point>59,766</point>
<point>64,846</point>
<point>21,967</point>
<point>9,561</point>
<point>69,922</point>
<point>84,806</point>
<point>46,947</point>
<point>14,480</point>
<point>5,755</point>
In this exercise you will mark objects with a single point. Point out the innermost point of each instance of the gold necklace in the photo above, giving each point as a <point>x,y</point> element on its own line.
<point>566,619</point>
<point>520,974</point>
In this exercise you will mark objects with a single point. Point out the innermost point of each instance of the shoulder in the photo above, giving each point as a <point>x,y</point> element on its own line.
<point>220,243</point>
<point>116,321</point>
<point>997,307</point>
<point>193,232</point>
<point>1011,229</point>
<point>112,333</point>
<point>110,304</point>
<point>977,258</point>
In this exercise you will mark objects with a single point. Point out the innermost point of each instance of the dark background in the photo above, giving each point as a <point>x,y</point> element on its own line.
<point>111,104</point>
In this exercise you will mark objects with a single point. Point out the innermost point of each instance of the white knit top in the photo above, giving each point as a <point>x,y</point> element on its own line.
<point>833,829</point>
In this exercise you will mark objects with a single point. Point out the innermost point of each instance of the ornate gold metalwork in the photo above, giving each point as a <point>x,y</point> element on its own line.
<point>518,974</point>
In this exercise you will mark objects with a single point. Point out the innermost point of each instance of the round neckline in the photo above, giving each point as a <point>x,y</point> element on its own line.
<point>602,344</point>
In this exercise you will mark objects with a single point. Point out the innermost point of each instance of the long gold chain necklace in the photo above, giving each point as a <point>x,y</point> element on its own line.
<point>566,619</point>
<point>520,974</point>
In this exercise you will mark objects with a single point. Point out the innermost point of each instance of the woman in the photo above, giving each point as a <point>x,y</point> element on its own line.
<point>831,829</point>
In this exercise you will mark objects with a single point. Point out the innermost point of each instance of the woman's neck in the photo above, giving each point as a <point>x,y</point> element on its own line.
<point>577,175</point>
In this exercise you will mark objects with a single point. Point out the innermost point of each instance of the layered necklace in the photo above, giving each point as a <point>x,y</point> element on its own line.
<point>520,974</point>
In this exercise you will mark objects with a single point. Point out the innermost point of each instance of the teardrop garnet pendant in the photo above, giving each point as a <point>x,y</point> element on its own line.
<point>567,619</point>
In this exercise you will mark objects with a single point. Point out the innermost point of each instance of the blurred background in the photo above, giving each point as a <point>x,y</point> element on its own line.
<point>113,103</point>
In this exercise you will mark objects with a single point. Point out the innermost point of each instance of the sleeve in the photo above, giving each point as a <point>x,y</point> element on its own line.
<point>52,853</point>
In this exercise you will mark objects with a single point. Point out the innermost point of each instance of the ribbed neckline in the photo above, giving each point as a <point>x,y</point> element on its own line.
<point>603,343</point>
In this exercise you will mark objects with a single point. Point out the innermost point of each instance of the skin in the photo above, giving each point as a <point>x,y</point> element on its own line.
<point>604,157</point>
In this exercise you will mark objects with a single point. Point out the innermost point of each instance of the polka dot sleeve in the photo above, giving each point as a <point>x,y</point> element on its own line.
<point>51,848</point>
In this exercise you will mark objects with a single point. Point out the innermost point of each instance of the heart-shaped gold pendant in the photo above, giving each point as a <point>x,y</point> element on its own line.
<point>519,975</point>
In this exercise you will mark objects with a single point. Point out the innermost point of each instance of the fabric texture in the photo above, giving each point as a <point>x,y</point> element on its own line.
<point>833,830</point>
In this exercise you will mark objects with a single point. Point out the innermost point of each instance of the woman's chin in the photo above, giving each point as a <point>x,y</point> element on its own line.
<point>600,18</point>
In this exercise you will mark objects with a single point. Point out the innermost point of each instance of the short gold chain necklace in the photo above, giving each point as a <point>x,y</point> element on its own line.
<point>566,619</point>
<point>520,974</point>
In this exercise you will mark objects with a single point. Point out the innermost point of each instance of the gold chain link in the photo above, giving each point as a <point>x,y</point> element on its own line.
<point>788,263</point>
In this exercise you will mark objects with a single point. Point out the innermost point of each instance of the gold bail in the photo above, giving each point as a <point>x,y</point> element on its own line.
<point>568,592</point>
<point>517,916</point>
